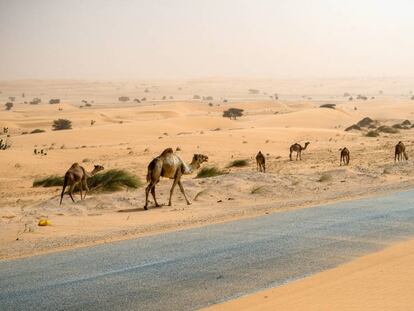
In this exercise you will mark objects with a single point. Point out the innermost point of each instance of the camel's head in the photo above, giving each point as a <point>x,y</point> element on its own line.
<point>98,168</point>
<point>307,143</point>
<point>198,159</point>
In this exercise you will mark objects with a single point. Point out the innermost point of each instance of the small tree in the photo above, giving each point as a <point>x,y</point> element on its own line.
<point>233,113</point>
<point>54,101</point>
<point>9,106</point>
<point>61,124</point>
<point>123,98</point>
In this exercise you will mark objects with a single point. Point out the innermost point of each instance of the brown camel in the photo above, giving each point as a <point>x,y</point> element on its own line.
<point>77,175</point>
<point>261,162</point>
<point>170,165</point>
<point>400,153</point>
<point>344,156</point>
<point>298,149</point>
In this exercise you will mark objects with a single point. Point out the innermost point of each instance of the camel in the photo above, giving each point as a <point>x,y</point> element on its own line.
<point>169,165</point>
<point>298,149</point>
<point>400,152</point>
<point>261,162</point>
<point>344,156</point>
<point>77,175</point>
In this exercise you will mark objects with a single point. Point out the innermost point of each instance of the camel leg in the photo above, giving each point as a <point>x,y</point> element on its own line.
<point>264,168</point>
<point>81,190</point>
<point>147,190</point>
<point>182,190</point>
<point>72,186</point>
<point>85,185</point>
<point>153,195</point>
<point>290,155</point>
<point>172,189</point>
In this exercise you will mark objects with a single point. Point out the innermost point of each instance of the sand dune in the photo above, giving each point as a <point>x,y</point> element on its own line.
<point>128,135</point>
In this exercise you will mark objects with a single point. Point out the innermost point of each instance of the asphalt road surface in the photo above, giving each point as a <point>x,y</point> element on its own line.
<point>189,269</point>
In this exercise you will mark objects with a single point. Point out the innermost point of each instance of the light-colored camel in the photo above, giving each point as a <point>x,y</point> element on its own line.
<point>400,153</point>
<point>344,156</point>
<point>170,165</point>
<point>261,162</point>
<point>77,175</point>
<point>298,149</point>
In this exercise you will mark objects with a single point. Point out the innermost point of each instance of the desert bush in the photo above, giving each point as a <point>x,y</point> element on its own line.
<point>238,163</point>
<point>9,105</point>
<point>88,105</point>
<point>325,177</point>
<point>35,101</point>
<point>54,101</point>
<point>372,134</point>
<point>35,131</point>
<point>110,181</point>
<point>49,181</point>
<point>399,127</point>
<point>365,122</point>
<point>406,122</point>
<point>353,127</point>
<point>254,91</point>
<point>332,106</point>
<point>123,98</point>
<point>196,97</point>
<point>233,113</point>
<point>209,172</point>
<point>12,98</point>
<point>258,190</point>
<point>61,124</point>
<point>114,180</point>
<point>387,129</point>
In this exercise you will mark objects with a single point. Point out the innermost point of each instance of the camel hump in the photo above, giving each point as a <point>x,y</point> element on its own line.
<point>167,151</point>
<point>76,164</point>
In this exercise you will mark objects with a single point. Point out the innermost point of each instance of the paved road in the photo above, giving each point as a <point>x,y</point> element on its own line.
<point>192,268</point>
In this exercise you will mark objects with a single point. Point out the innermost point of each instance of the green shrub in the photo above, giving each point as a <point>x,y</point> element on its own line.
<point>50,181</point>
<point>238,163</point>
<point>372,134</point>
<point>209,172</point>
<point>62,124</point>
<point>35,131</point>
<point>325,177</point>
<point>109,181</point>
<point>114,180</point>
<point>387,129</point>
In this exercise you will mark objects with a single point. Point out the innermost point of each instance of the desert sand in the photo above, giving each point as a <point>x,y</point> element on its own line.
<point>379,281</point>
<point>128,135</point>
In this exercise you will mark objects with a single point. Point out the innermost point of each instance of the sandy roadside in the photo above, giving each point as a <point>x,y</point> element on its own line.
<point>379,281</point>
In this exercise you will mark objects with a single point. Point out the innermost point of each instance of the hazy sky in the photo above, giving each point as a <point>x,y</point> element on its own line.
<point>202,38</point>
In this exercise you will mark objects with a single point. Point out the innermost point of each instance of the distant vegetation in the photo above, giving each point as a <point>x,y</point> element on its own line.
<point>238,163</point>
<point>123,98</point>
<point>254,91</point>
<point>61,124</point>
<point>35,101</point>
<point>54,101</point>
<point>372,134</point>
<point>196,97</point>
<point>50,181</point>
<point>9,106</point>
<point>35,131</point>
<point>332,106</point>
<point>209,172</point>
<point>233,113</point>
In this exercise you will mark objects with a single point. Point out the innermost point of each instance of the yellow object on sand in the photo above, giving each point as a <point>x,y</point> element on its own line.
<point>44,222</point>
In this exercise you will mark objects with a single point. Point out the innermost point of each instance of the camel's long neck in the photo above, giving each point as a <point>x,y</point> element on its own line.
<point>91,173</point>
<point>303,148</point>
<point>194,165</point>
